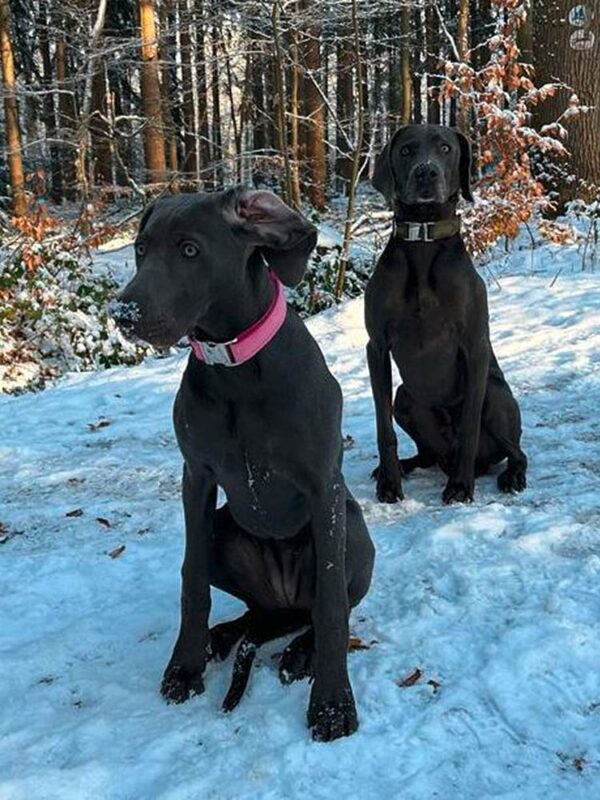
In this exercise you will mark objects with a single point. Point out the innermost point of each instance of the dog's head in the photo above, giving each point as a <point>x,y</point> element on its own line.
<point>424,165</point>
<point>192,250</point>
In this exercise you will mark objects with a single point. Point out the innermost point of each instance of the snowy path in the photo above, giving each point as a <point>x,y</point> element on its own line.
<point>498,602</point>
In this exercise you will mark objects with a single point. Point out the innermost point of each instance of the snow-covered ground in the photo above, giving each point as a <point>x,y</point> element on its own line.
<point>497,603</point>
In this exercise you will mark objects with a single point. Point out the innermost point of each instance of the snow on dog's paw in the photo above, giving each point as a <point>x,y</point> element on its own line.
<point>458,492</point>
<point>389,488</point>
<point>296,660</point>
<point>334,717</point>
<point>511,481</point>
<point>179,683</point>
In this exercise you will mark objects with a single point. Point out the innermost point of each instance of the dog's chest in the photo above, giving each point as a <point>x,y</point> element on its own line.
<point>251,463</point>
<point>421,316</point>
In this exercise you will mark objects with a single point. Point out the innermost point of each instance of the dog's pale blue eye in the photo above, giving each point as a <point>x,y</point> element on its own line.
<point>405,151</point>
<point>140,248</point>
<point>445,148</point>
<point>189,250</point>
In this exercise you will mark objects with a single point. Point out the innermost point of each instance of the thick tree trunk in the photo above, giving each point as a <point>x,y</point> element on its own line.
<point>13,133</point>
<point>315,118</point>
<point>567,49</point>
<point>154,142</point>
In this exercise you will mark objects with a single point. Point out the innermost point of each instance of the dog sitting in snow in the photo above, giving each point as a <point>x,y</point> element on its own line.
<point>427,305</point>
<point>257,413</point>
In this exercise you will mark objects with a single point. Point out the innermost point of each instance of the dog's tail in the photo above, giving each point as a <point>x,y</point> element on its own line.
<point>262,627</point>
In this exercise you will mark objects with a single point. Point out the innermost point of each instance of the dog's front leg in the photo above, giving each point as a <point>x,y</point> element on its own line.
<point>461,483</point>
<point>331,711</point>
<point>183,675</point>
<point>387,474</point>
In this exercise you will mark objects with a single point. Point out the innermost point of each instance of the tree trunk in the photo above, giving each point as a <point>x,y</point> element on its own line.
<point>167,34</point>
<point>100,128</point>
<point>154,142</point>
<point>432,64</point>
<point>570,53</point>
<point>56,191</point>
<point>67,119</point>
<point>344,109</point>
<point>405,66</point>
<point>216,105</point>
<point>295,76</point>
<point>204,155</point>
<point>13,133</point>
<point>462,43</point>
<point>394,99</point>
<point>315,118</point>
<point>190,154</point>
<point>280,104</point>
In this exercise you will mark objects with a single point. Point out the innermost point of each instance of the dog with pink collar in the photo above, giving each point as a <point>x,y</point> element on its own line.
<point>258,414</point>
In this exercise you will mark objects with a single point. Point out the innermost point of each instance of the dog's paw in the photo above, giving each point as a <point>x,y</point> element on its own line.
<point>223,639</point>
<point>511,481</point>
<point>458,492</point>
<point>180,683</point>
<point>296,660</point>
<point>332,717</point>
<point>388,487</point>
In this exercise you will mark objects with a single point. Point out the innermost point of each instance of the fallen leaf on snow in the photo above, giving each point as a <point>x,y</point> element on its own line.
<point>356,643</point>
<point>103,521</point>
<point>76,512</point>
<point>118,551</point>
<point>101,423</point>
<point>410,680</point>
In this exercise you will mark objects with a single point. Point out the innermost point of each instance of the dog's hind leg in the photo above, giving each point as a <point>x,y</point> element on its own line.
<point>427,427</point>
<point>501,431</point>
<point>296,659</point>
<point>225,635</point>
<point>263,626</point>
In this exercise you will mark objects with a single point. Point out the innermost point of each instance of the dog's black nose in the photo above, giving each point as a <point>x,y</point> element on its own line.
<point>426,172</point>
<point>124,312</point>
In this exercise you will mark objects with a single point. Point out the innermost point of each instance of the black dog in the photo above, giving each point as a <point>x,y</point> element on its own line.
<point>291,541</point>
<point>427,304</point>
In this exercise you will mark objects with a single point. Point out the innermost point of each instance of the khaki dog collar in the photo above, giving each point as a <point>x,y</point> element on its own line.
<point>426,231</point>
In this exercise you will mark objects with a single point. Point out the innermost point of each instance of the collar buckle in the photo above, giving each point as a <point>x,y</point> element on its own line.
<point>218,353</point>
<point>418,232</point>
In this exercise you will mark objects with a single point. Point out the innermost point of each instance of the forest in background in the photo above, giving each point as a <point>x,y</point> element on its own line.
<point>109,103</point>
<point>107,98</point>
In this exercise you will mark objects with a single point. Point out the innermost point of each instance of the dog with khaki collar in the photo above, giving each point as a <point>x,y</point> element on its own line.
<point>426,306</point>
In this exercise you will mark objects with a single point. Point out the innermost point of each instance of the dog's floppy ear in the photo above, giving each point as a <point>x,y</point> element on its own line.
<point>146,214</point>
<point>383,177</point>
<point>284,236</point>
<point>464,168</point>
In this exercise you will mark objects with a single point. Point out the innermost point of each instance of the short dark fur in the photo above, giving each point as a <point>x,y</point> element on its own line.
<point>427,304</point>
<point>291,541</point>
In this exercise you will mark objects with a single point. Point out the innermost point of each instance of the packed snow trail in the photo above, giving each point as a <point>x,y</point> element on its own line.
<point>496,603</point>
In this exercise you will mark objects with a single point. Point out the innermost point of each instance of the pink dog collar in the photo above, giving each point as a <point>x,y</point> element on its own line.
<point>251,341</point>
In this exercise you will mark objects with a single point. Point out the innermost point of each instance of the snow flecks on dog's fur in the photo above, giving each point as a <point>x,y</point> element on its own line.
<point>499,600</point>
